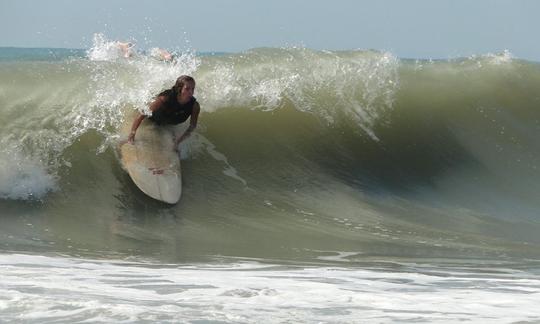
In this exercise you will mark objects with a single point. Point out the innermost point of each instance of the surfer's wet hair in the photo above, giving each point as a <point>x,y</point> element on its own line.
<point>181,82</point>
<point>173,92</point>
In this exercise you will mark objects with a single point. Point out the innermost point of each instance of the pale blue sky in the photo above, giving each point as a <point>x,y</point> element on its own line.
<point>407,28</point>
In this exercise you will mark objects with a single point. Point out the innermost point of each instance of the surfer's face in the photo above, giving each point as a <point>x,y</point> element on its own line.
<point>187,92</point>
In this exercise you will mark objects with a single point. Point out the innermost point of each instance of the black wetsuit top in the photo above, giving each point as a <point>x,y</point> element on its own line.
<point>172,112</point>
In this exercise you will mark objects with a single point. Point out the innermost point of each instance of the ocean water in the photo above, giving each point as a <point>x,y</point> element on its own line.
<point>319,187</point>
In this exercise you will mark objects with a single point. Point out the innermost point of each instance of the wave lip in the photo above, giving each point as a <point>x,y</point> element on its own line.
<point>360,85</point>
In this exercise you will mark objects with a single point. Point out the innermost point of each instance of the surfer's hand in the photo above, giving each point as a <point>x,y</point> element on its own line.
<point>176,144</point>
<point>131,138</point>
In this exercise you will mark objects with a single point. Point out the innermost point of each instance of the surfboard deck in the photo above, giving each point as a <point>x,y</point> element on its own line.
<point>151,161</point>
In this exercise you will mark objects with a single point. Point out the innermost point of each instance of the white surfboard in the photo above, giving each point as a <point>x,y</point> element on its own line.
<point>151,161</point>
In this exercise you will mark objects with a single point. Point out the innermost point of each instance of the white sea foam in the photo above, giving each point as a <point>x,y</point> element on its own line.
<point>198,144</point>
<point>489,59</point>
<point>505,57</point>
<point>23,177</point>
<point>39,288</point>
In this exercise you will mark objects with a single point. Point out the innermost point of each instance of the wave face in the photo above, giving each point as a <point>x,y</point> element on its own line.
<point>300,155</point>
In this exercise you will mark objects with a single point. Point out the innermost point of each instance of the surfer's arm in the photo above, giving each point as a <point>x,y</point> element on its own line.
<point>192,124</point>
<point>134,127</point>
<point>137,122</point>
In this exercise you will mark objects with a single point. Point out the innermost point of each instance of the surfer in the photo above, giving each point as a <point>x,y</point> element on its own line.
<point>126,49</point>
<point>171,107</point>
<point>161,54</point>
